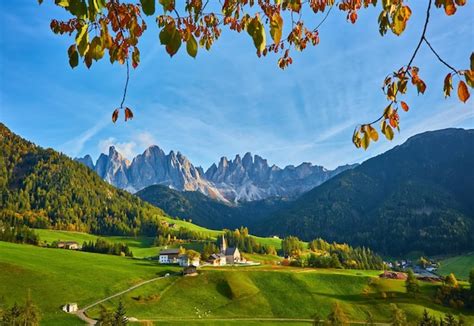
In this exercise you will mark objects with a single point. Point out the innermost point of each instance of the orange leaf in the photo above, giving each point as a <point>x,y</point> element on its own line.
<point>420,86</point>
<point>353,17</point>
<point>404,106</point>
<point>128,114</point>
<point>115,115</point>
<point>449,7</point>
<point>463,92</point>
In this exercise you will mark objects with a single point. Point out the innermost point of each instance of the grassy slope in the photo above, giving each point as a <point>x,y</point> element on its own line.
<point>459,265</point>
<point>276,292</point>
<point>140,246</point>
<point>57,276</point>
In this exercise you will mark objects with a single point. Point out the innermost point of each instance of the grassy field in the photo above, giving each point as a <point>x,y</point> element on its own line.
<point>269,292</point>
<point>459,265</point>
<point>140,246</point>
<point>57,276</point>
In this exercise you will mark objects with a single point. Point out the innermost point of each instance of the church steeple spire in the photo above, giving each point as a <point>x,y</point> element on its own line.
<point>223,244</point>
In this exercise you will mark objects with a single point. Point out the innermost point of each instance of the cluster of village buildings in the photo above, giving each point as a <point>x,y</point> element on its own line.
<point>226,256</point>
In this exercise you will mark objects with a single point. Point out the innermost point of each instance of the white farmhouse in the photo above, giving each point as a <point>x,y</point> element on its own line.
<point>186,261</point>
<point>169,256</point>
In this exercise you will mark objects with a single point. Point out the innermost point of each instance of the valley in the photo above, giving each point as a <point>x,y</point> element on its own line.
<point>216,294</point>
<point>311,255</point>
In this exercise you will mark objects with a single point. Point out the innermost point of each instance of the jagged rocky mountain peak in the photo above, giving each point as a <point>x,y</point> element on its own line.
<point>245,178</point>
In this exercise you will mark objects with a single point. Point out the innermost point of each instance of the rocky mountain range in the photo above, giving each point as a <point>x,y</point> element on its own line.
<point>242,179</point>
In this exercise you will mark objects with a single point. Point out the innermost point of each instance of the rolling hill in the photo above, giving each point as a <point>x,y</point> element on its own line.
<point>225,294</point>
<point>416,197</point>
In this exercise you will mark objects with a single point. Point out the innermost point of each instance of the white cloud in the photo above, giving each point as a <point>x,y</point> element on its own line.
<point>74,146</point>
<point>128,149</point>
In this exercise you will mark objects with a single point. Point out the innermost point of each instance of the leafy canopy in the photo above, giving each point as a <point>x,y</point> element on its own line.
<point>274,26</point>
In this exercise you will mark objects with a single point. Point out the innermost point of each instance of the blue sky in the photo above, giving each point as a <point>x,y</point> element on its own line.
<point>228,101</point>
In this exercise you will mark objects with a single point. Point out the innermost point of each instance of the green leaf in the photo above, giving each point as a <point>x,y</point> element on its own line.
<point>78,8</point>
<point>165,33</point>
<point>148,7</point>
<point>174,43</point>
<point>82,40</point>
<point>170,37</point>
<point>73,56</point>
<point>256,30</point>
<point>168,5</point>
<point>96,50</point>
<point>192,46</point>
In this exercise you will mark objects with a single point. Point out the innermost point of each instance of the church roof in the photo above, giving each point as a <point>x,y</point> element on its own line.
<point>230,251</point>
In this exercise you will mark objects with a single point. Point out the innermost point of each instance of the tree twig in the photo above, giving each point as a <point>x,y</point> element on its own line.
<point>422,38</point>
<point>126,83</point>
<point>326,16</point>
<point>126,58</point>
<point>427,19</point>
<point>437,55</point>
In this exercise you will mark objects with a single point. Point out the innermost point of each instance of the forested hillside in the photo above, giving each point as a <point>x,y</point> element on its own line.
<point>416,197</point>
<point>209,212</point>
<point>44,188</point>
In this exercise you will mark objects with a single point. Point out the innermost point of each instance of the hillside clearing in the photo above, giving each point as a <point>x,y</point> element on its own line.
<point>459,265</point>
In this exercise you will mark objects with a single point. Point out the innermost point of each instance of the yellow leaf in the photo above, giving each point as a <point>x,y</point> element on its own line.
<point>276,27</point>
<point>400,19</point>
<point>387,130</point>
<point>469,76</point>
<point>365,141</point>
<point>356,138</point>
<point>373,133</point>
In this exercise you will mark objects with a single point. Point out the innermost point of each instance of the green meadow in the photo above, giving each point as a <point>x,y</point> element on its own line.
<point>142,247</point>
<point>59,276</point>
<point>266,292</point>
<point>459,265</point>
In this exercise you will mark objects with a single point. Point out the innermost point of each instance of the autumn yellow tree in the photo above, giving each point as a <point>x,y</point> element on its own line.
<point>274,26</point>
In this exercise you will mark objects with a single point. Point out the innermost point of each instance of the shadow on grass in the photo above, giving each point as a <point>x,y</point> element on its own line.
<point>394,297</point>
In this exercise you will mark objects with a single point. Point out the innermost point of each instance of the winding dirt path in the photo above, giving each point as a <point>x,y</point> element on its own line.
<point>81,313</point>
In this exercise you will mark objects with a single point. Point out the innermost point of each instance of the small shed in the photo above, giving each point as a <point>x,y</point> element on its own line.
<point>73,245</point>
<point>70,308</point>
<point>190,270</point>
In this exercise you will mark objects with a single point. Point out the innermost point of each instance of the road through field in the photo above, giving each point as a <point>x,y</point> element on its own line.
<point>81,313</point>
